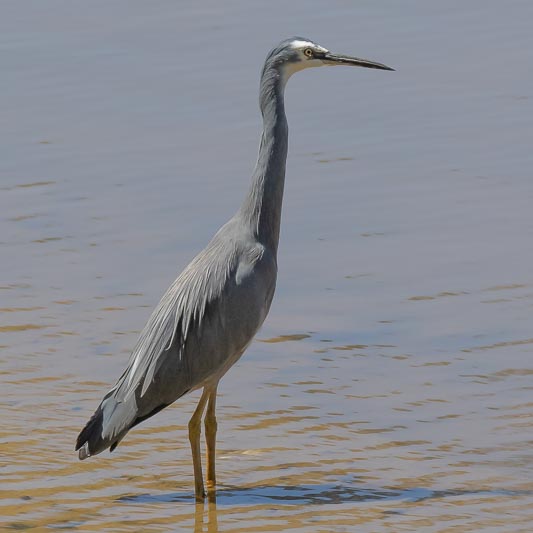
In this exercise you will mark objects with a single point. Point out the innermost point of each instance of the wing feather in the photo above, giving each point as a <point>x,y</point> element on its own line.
<point>183,304</point>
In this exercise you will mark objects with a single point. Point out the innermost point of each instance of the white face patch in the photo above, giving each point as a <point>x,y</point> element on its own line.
<point>302,45</point>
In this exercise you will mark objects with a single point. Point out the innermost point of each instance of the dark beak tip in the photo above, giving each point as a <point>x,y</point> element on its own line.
<point>379,66</point>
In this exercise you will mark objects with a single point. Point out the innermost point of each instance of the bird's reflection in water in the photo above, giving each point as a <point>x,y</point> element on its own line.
<point>202,513</point>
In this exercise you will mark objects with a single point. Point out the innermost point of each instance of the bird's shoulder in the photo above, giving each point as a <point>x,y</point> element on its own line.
<point>229,257</point>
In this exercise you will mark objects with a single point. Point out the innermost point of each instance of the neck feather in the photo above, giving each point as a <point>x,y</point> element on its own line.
<point>261,208</point>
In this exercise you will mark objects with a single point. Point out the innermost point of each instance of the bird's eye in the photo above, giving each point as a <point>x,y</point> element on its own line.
<point>308,52</point>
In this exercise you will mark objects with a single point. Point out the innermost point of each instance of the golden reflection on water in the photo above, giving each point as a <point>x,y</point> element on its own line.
<point>321,464</point>
<point>285,338</point>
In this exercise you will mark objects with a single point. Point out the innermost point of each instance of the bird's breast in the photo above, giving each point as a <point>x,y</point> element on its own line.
<point>231,321</point>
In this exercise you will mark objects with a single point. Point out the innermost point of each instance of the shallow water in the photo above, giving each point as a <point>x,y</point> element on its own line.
<point>391,387</point>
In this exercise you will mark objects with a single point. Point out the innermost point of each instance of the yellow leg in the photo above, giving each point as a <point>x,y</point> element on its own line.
<point>194,438</point>
<point>210,439</point>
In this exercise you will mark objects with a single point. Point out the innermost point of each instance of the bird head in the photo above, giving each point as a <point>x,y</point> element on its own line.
<point>298,53</point>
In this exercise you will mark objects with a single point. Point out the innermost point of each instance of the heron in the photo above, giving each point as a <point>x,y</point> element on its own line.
<point>212,311</point>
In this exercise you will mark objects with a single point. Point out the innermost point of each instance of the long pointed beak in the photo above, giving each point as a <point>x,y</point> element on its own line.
<point>336,59</point>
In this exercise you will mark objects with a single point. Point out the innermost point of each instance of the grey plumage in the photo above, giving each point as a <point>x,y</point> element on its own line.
<point>212,311</point>
<point>201,326</point>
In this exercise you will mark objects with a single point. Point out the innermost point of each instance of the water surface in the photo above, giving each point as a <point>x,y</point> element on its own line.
<point>391,387</point>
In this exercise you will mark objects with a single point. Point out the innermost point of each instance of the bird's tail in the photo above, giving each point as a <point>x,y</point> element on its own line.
<point>108,425</point>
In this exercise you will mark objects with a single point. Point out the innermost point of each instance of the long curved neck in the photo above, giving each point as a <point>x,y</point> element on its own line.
<point>261,208</point>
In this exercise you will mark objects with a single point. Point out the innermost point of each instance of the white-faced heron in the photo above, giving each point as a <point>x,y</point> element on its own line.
<point>211,313</point>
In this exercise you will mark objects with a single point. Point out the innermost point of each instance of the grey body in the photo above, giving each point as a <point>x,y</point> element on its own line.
<point>203,323</point>
<point>212,311</point>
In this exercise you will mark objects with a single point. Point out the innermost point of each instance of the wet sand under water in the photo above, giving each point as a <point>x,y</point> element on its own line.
<point>391,387</point>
